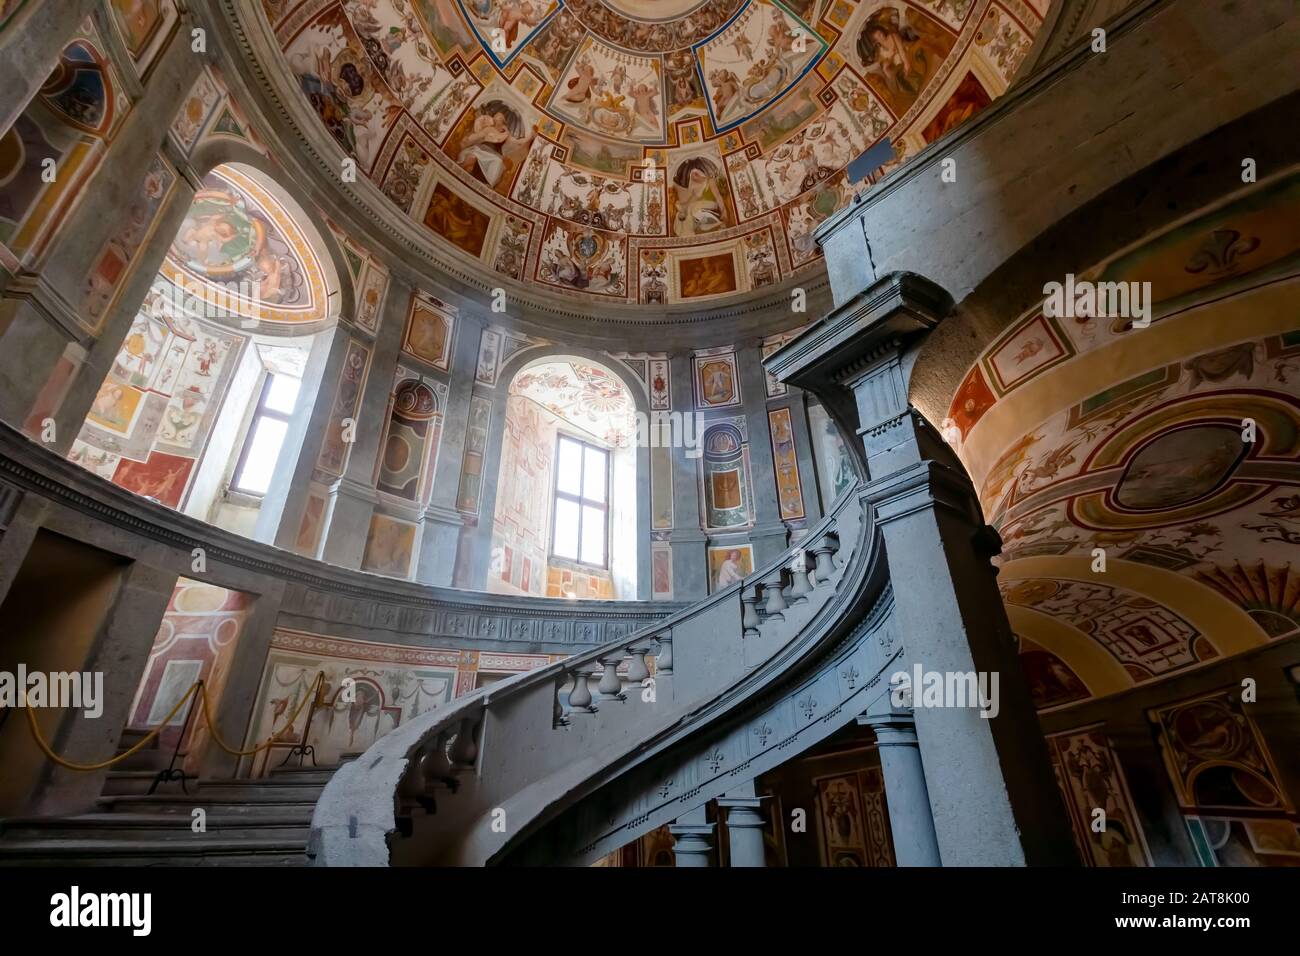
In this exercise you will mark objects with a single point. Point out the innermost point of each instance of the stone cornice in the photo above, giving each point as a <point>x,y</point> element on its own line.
<point>51,304</point>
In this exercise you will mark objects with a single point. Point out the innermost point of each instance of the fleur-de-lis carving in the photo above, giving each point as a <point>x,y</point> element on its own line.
<point>850,675</point>
<point>1220,252</point>
<point>715,759</point>
<point>809,706</point>
<point>666,788</point>
<point>762,732</point>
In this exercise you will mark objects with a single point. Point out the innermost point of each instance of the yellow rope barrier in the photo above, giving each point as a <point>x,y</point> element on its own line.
<point>40,741</point>
<point>207,719</point>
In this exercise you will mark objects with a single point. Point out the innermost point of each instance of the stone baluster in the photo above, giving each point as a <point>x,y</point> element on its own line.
<point>637,670</point>
<point>824,551</point>
<point>772,590</point>
<point>800,585</point>
<point>749,613</point>
<point>611,685</point>
<point>431,770</point>
<point>464,749</point>
<point>580,697</point>
<point>664,660</point>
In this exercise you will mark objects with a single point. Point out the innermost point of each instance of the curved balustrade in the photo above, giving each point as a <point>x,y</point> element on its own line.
<point>543,742</point>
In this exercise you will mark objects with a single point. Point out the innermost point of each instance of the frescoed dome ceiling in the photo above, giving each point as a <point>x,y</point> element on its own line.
<point>639,151</point>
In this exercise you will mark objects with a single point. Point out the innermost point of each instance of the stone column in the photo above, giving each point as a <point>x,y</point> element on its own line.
<point>693,838</point>
<point>990,784</point>
<point>906,796</point>
<point>443,522</point>
<point>235,710</point>
<point>41,319</point>
<point>769,533</point>
<point>745,826</point>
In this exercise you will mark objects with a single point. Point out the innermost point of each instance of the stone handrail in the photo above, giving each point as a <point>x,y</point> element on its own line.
<point>464,784</point>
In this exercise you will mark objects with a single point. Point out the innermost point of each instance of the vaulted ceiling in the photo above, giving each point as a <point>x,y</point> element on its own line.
<point>1146,481</point>
<point>638,152</point>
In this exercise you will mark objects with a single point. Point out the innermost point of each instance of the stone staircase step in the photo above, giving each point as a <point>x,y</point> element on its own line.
<point>134,828</point>
<point>256,790</point>
<point>130,781</point>
<point>310,775</point>
<point>204,850</point>
<point>177,804</point>
<point>250,822</point>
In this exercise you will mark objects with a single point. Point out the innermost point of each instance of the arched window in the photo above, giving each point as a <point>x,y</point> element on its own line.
<point>565,519</point>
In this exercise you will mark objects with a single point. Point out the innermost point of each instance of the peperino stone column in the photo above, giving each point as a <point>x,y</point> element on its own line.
<point>745,826</point>
<point>906,796</point>
<point>991,791</point>
<point>693,838</point>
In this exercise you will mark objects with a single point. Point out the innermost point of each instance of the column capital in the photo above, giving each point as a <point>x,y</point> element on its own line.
<point>923,485</point>
<point>743,803</point>
<point>693,843</point>
<point>857,335</point>
<point>351,488</point>
<point>443,515</point>
<point>892,729</point>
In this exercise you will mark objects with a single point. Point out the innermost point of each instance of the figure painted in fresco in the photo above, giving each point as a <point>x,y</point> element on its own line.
<point>730,570</point>
<point>901,56</point>
<point>698,198</point>
<point>108,404</point>
<point>708,276</point>
<point>717,382</point>
<point>497,137</point>
<point>842,815</point>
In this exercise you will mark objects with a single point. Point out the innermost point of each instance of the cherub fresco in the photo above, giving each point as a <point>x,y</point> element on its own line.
<point>495,143</point>
<point>900,56</point>
<point>505,25</point>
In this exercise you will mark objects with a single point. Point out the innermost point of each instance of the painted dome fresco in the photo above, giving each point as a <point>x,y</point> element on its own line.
<point>652,152</point>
